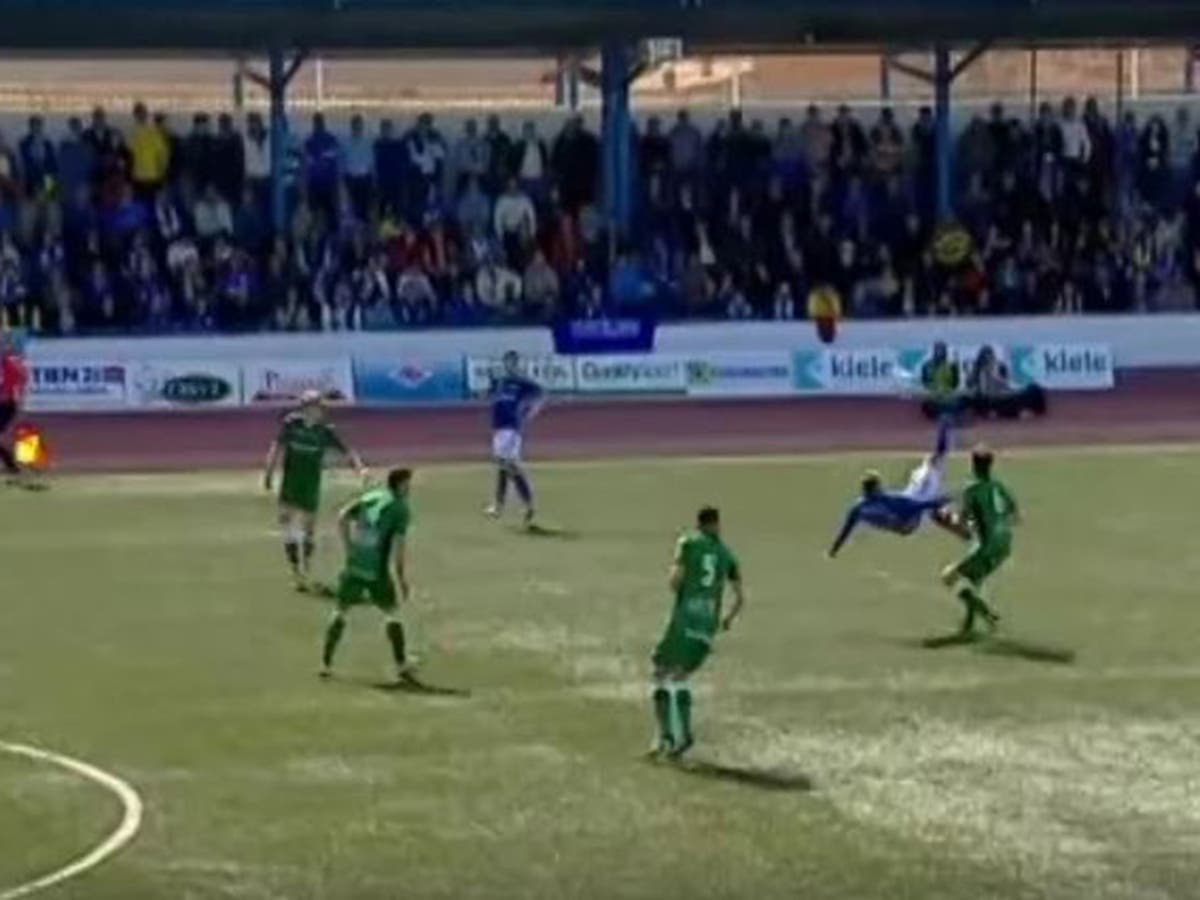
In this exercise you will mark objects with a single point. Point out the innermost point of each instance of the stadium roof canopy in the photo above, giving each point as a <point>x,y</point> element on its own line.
<point>514,25</point>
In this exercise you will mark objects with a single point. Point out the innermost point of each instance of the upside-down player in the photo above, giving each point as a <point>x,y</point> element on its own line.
<point>990,509</point>
<point>373,529</point>
<point>901,512</point>
<point>702,566</point>
<point>302,441</point>
<point>515,400</point>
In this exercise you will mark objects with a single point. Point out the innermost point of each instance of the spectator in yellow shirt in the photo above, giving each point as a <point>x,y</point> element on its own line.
<point>151,155</point>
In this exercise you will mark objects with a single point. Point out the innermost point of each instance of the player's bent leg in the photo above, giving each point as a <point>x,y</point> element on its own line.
<point>333,636</point>
<point>681,715</point>
<point>524,488</point>
<point>291,549</point>
<point>307,532</point>
<point>496,508</point>
<point>948,520</point>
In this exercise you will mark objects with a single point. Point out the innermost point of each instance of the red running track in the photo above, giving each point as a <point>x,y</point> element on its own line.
<point>1147,406</point>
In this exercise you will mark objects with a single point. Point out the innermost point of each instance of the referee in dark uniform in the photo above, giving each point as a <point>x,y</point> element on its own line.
<point>14,376</point>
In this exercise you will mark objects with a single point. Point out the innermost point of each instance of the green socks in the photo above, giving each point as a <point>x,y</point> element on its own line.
<point>662,714</point>
<point>395,633</point>
<point>333,635</point>
<point>683,705</point>
<point>975,605</point>
<point>673,712</point>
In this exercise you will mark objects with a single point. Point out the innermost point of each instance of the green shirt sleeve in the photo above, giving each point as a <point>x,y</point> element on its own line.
<point>1009,499</point>
<point>732,567</point>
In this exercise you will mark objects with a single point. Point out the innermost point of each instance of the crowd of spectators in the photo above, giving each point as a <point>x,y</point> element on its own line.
<point>150,229</point>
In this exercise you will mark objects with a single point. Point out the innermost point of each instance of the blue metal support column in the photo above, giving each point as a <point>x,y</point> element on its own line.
<point>943,79</point>
<point>617,65</point>
<point>277,88</point>
<point>885,76</point>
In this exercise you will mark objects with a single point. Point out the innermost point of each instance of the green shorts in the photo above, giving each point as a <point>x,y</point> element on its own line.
<point>985,559</point>
<point>355,591</point>
<point>300,494</point>
<point>682,649</point>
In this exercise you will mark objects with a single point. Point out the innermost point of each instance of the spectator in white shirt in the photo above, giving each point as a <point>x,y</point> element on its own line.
<point>415,296</point>
<point>359,152</point>
<point>427,159</point>
<point>530,159</point>
<point>212,215</point>
<point>471,157</point>
<point>257,159</point>
<point>515,221</point>
<point>541,288</point>
<point>1076,141</point>
<point>497,287</point>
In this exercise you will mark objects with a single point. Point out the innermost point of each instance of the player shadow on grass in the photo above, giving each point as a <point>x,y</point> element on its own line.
<point>1018,649</point>
<point>546,531</point>
<point>764,779</point>
<point>1002,646</point>
<point>420,688</point>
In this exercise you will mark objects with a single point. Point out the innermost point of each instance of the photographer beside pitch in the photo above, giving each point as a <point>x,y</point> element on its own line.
<point>14,379</point>
<point>987,393</point>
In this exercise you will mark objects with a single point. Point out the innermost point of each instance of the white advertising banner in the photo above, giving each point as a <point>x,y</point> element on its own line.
<point>77,385</point>
<point>632,374</point>
<point>739,375</point>
<point>555,374</point>
<point>184,384</point>
<point>1072,367</point>
<point>847,372</point>
<point>281,382</point>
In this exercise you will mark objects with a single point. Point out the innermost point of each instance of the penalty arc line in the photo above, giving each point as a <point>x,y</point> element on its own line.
<point>126,831</point>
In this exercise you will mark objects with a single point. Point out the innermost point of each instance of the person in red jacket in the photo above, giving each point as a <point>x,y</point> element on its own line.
<point>14,377</point>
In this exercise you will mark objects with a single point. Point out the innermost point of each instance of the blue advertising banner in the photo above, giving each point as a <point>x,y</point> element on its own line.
<point>599,336</point>
<point>396,382</point>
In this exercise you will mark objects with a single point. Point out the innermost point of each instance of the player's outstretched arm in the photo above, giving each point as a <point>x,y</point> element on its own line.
<point>400,566</point>
<point>739,603</point>
<point>343,523</point>
<point>272,462</point>
<point>1014,511</point>
<point>847,528</point>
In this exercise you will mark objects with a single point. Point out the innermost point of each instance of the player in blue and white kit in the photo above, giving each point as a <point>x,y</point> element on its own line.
<point>515,399</point>
<point>902,512</point>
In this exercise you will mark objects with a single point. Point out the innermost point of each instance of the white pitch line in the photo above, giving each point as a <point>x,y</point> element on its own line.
<point>131,819</point>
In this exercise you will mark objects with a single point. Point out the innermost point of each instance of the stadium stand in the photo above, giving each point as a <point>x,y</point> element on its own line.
<point>153,228</point>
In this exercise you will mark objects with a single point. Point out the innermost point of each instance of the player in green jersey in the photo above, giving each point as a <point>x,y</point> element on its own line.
<point>991,511</point>
<point>702,566</point>
<point>373,530</point>
<point>304,438</point>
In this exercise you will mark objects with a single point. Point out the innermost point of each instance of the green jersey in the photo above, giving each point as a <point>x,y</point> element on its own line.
<point>377,518</point>
<point>706,565</point>
<point>990,507</point>
<point>304,447</point>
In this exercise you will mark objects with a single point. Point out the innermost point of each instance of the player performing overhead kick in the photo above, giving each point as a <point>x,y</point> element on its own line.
<point>901,512</point>
<point>515,400</point>
<point>303,439</point>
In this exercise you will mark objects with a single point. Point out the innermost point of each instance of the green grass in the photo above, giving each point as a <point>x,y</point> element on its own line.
<point>148,628</point>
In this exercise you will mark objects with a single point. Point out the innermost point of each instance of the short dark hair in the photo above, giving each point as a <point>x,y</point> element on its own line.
<point>981,461</point>
<point>708,516</point>
<point>871,481</point>
<point>398,478</point>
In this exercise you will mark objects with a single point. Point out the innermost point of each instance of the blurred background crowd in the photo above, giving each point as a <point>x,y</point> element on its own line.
<point>158,226</point>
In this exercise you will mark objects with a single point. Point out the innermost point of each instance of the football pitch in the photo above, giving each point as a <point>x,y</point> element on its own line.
<point>149,629</point>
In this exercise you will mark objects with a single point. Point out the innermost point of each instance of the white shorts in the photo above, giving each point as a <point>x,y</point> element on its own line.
<point>925,482</point>
<point>506,445</point>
